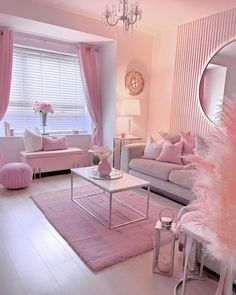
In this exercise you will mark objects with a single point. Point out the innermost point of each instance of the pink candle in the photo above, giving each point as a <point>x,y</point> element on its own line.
<point>12,132</point>
<point>122,135</point>
<point>164,264</point>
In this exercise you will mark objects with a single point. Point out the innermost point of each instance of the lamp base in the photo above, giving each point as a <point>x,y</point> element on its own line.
<point>129,126</point>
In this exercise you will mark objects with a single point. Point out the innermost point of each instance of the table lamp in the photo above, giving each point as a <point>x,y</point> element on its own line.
<point>130,108</point>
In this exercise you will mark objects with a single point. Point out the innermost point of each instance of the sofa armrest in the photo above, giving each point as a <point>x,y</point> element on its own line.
<point>130,151</point>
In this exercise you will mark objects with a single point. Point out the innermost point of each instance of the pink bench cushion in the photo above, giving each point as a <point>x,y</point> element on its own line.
<point>50,154</point>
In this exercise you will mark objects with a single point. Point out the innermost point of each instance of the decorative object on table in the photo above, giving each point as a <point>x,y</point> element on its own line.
<point>130,108</point>
<point>128,14</point>
<point>7,128</point>
<point>134,82</point>
<point>114,174</point>
<point>215,189</point>
<point>164,243</point>
<point>122,135</point>
<point>43,108</point>
<point>104,167</point>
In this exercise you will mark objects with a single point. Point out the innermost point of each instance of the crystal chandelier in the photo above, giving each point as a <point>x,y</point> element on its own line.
<point>129,14</point>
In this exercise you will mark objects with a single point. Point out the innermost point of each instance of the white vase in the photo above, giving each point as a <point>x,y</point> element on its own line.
<point>104,167</point>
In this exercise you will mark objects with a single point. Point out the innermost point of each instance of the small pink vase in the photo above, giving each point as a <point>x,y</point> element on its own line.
<point>104,167</point>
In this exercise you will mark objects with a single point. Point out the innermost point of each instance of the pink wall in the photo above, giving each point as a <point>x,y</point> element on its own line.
<point>134,53</point>
<point>163,58</point>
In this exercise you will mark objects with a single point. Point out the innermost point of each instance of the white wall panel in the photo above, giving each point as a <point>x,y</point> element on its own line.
<point>196,44</point>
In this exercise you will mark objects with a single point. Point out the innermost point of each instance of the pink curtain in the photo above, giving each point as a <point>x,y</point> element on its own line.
<point>2,162</point>
<point>6,52</point>
<point>88,64</point>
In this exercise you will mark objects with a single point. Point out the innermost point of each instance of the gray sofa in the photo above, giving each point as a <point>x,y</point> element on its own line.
<point>171,180</point>
<point>168,179</point>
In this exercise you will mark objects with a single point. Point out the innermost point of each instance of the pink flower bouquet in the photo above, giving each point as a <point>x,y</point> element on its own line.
<point>43,107</point>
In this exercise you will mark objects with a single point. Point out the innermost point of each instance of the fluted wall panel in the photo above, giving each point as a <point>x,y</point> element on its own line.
<point>197,42</point>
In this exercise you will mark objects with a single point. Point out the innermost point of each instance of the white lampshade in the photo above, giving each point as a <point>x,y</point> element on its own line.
<point>130,107</point>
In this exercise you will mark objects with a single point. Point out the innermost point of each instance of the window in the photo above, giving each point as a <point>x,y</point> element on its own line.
<point>51,77</point>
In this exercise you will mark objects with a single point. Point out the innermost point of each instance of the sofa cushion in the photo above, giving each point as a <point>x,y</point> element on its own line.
<point>154,168</point>
<point>184,178</point>
<point>54,143</point>
<point>173,138</point>
<point>33,142</point>
<point>152,149</point>
<point>188,143</point>
<point>171,153</point>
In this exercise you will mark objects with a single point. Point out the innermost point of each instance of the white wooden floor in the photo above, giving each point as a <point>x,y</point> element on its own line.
<point>34,259</point>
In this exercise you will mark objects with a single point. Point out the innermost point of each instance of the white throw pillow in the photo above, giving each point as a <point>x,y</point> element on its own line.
<point>32,141</point>
<point>152,149</point>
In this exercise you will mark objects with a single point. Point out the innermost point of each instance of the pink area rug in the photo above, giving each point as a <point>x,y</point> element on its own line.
<point>97,246</point>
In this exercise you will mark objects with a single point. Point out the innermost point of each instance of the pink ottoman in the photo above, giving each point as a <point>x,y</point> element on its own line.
<point>16,175</point>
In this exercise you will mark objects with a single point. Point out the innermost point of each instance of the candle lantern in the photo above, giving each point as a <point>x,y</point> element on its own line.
<point>164,243</point>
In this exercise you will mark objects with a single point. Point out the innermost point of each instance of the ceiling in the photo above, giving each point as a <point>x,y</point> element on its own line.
<point>157,14</point>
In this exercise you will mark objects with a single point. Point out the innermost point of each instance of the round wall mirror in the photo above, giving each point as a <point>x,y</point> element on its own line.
<point>218,81</point>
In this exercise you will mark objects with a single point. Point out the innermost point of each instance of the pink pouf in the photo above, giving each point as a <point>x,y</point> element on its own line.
<point>16,175</point>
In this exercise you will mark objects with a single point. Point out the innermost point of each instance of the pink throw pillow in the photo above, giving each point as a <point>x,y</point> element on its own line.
<point>188,143</point>
<point>54,143</point>
<point>171,152</point>
<point>172,137</point>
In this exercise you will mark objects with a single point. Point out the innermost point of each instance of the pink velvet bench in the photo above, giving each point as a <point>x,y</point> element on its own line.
<point>47,161</point>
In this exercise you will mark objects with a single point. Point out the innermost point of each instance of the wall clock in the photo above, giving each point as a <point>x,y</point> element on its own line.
<point>134,82</point>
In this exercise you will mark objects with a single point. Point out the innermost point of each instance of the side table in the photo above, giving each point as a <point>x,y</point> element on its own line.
<point>196,233</point>
<point>121,141</point>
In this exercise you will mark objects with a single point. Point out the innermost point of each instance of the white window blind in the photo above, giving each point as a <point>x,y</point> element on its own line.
<point>51,77</point>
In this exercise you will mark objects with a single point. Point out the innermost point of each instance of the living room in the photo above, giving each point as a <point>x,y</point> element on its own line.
<point>169,49</point>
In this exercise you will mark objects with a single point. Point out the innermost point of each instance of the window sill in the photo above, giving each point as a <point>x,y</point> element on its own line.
<point>51,134</point>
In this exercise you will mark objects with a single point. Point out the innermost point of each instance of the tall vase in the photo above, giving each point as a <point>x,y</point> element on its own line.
<point>43,119</point>
<point>104,167</point>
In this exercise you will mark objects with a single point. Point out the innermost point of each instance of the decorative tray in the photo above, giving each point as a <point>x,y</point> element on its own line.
<point>115,174</point>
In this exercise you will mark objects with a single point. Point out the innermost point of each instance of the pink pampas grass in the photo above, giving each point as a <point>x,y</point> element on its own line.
<point>215,187</point>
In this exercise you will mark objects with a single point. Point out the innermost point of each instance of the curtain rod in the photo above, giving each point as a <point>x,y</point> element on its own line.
<point>55,41</point>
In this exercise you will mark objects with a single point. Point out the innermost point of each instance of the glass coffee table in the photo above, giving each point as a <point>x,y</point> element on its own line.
<point>110,187</point>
